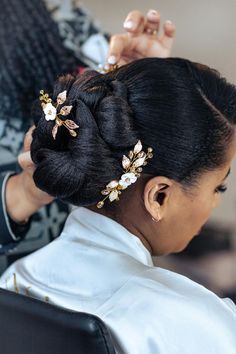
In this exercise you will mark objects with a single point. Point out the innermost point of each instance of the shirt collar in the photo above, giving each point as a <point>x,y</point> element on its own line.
<point>85,225</point>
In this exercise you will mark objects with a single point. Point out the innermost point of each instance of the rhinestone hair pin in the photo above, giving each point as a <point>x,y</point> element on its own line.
<point>132,169</point>
<point>53,111</point>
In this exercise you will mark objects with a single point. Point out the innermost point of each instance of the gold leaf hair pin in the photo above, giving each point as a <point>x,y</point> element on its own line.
<point>132,169</point>
<point>52,113</point>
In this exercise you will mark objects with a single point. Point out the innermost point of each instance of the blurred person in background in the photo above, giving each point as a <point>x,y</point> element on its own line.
<point>38,42</point>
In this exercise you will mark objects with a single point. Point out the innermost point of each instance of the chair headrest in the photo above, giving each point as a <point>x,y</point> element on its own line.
<point>31,326</point>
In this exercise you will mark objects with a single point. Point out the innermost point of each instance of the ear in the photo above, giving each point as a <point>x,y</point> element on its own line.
<point>156,196</point>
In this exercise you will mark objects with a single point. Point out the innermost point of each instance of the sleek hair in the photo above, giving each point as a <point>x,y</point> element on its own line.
<point>32,55</point>
<point>185,111</point>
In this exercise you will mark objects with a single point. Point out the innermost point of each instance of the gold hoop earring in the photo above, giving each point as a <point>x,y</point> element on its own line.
<point>155,219</point>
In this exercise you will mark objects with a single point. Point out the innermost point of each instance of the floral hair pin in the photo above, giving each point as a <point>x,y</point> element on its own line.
<point>132,168</point>
<point>52,112</point>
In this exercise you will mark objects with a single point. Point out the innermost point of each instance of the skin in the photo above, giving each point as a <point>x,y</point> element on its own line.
<point>178,215</point>
<point>142,40</point>
<point>23,198</point>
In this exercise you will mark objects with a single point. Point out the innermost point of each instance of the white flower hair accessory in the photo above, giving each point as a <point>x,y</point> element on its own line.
<point>52,112</point>
<point>132,168</point>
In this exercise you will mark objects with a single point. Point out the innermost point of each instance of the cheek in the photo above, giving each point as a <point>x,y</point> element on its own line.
<point>195,216</point>
<point>189,217</point>
<point>216,200</point>
<point>201,211</point>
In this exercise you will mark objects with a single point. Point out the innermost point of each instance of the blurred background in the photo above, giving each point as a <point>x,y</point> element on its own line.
<point>206,33</point>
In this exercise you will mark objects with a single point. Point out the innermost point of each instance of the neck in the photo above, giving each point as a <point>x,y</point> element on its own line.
<point>125,222</point>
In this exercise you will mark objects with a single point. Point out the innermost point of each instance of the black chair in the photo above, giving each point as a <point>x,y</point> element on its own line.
<point>30,326</point>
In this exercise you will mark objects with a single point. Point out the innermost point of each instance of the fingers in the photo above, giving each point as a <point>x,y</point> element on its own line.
<point>28,138</point>
<point>139,31</point>
<point>134,22</point>
<point>168,35</point>
<point>118,43</point>
<point>153,19</point>
<point>25,161</point>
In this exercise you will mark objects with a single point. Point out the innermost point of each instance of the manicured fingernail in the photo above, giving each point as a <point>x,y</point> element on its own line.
<point>128,24</point>
<point>169,22</point>
<point>112,60</point>
<point>152,12</point>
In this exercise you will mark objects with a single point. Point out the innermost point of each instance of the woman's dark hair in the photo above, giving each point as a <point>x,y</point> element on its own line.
<point>32,55</point>
<point>185,111</point>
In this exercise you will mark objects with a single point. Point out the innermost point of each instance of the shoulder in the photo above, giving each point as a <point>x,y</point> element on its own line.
<point>176,311</point>
<point>31,269</point>
<point>186,294</point>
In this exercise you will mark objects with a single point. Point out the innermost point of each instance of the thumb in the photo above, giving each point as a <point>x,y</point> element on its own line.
<point>28,138</point>
<point>25,161</point>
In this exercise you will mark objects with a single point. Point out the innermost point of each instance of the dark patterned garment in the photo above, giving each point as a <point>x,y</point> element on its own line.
<point>79,31</point>
<point>47,222</point>
<point>81,34</point>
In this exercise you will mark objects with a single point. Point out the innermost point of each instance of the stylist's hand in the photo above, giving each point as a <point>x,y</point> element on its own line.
<point>23,198</point>
<point>142,39</point>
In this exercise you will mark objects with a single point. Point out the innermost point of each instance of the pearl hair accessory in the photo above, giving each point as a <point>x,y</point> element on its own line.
<point>52,113</point>
<point>132,168</point>
<point>107,68</point>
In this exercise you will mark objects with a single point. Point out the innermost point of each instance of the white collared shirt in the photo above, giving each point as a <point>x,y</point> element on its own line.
<point>98,266</point>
